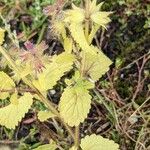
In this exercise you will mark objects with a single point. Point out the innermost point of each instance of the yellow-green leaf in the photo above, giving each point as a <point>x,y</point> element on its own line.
<point>74,100</point>
<point>44,115</point>
<point>94,7</point>
<point>95,63</point>
<point>75,15</point>
<point>68,45</point>
<point>96,142</point>
<point>2,34</point>
<point>12,114</point>
<point>6,83</point>
<point>73,148</point>
<point>54,71</point>
<point>92,33</point>
<point>47,147</point>
<point>58,28</point>
<point>101,18</point>
<point>77,33</point>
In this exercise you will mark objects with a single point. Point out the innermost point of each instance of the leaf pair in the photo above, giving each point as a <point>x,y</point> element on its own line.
<point>92,142</point>
<point>74,100</point>
<point>97,17</point>
<point>12,114</point>
<point>94,63</point>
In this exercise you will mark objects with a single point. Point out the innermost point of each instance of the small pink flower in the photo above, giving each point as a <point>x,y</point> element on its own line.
<point>29,46</point>
<point>34,55</point>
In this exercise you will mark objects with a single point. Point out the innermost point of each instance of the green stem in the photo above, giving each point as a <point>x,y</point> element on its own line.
<point>87,26</point>
<point>41,34</point>
<point>77,137</point>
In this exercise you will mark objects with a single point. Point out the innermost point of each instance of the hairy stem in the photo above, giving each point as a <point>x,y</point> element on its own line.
<point>77,137</point>
<point>18,89</point>
<point>87,26</point>
<point>87,18</point>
